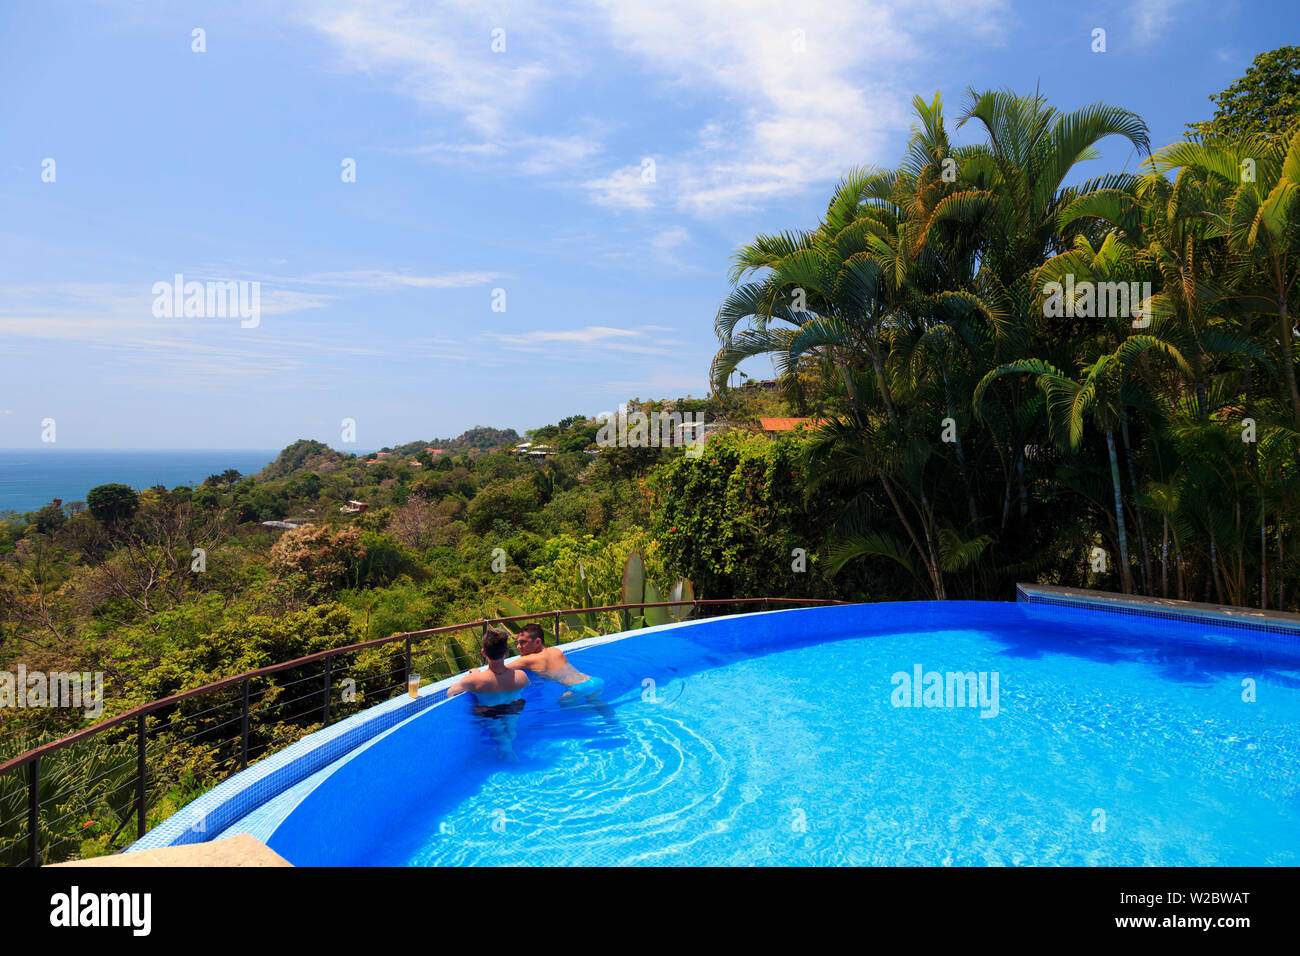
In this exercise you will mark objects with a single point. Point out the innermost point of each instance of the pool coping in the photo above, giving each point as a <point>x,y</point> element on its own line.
<point>1245,618</point>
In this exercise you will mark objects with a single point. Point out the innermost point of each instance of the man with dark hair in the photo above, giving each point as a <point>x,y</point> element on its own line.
<point>550,663</point>
<point>497,689</point>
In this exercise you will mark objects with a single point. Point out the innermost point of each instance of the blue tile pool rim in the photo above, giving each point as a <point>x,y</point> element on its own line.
<point>290,774</point>
<point>1186,612</point>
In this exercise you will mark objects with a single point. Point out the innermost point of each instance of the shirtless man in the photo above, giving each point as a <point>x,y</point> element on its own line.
<point>497,689</point>
<point>550,662</point>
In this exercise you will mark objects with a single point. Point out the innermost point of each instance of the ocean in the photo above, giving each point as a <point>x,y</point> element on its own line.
<point>31,478</point>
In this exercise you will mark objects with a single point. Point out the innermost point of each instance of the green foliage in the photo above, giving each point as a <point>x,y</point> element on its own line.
<point>50,519</point>
<point>86,799</point>
<point>509,501</point>
<point>237,646</point>
<point>730,519</point>
<point>1265,102</point>
<point>112,503</point>
<point>380,561</point>
<point>634,580</point>
<point>303,454</point>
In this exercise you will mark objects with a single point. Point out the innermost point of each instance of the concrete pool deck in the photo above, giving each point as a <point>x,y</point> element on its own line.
<point>240,850</point>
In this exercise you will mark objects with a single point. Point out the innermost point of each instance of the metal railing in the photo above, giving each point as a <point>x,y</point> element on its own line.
<point>136,718</point>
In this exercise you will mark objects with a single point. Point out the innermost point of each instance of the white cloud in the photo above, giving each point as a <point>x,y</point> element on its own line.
<point>548,154</point>
<point>669,239</point>
<point>529,155</point>
<point>624,188</point>
<point>663,243</point>
<point>1151,17</point>
<point>786,111</point>
<point>803,93</point>
<point>380,280</point>
<point>592,338</point>
<point>592,333</point>
<point>442,57</point>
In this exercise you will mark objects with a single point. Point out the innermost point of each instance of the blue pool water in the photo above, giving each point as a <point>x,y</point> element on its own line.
<point>776,739</point>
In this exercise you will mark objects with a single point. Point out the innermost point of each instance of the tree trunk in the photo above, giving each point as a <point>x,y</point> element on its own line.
<point>1164,558</point>
<point>1133,485</point>
<point>1214,569</point>
<point>927,525</point>
<point>1263,558</point>
<point>1180,568</point>
<point>882,385</point>
<point>1020,478</point>
<point>1126,574</point>
<point>1281,577</point>
<point>1006,503</point>
<point>1237,593</point>
<point>1288,364</point>
<point>935,580</point>
<point>961,456</point>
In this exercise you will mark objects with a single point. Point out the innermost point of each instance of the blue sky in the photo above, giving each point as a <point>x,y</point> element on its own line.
<point>476,170</point>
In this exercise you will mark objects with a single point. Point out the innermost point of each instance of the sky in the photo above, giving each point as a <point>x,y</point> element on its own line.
<point>471,212</point>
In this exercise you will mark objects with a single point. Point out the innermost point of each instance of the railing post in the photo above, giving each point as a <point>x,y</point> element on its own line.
<point>33,813</point>
<point>243,731</point>
<point>327,690</point>
<point>557,628</point>
<point>139,771</point>
<point>408,658</point>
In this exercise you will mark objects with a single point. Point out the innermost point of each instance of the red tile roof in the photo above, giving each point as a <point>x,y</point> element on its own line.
<point>788,424</point>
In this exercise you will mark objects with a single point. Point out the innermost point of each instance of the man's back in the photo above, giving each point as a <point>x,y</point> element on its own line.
<point>486,681</point>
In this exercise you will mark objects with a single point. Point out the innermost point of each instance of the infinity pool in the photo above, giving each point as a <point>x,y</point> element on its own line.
<point>1088,738</point>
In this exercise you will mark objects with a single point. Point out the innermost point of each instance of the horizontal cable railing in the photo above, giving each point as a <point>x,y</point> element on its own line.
<point>108,783</point>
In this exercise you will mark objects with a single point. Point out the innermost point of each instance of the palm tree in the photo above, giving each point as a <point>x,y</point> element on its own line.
<point>1098,391</point>
<point>920,279</point>
<point>1257,212</point>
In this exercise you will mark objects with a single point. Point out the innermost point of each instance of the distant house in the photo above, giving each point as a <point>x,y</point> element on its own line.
<point>354,507</point>
<point>413,463</point>
<point>436,451</point>
<point>775,426</point>
<point>536,452</point>
<point>697,433</point>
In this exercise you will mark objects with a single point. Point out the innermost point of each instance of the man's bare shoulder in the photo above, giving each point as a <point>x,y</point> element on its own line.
<point>526,662</point>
